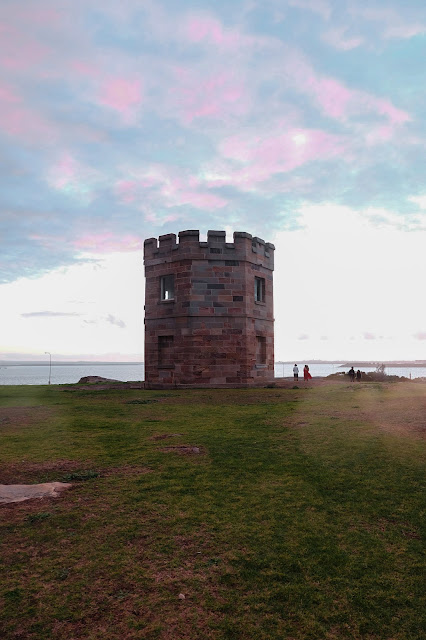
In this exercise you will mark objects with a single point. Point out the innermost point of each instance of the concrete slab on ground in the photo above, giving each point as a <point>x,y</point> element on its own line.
<point>20,492</point>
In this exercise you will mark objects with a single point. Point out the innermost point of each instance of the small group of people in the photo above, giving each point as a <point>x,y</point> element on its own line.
<point>352,374</point>
<point>306,375</point>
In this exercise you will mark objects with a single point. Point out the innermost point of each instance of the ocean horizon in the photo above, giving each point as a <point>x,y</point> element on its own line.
<point>37,373</point>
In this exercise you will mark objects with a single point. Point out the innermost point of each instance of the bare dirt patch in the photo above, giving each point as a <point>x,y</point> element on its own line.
<point>185,450</point>
<point>397,408</point>
<point>299,424</point>
<point>401,413</point>
<point>19,417</point>
<point>126,470</point>
<point>100,386</point>
<point>164,436</point>
<point>26,472</point>
<point>289,383</point>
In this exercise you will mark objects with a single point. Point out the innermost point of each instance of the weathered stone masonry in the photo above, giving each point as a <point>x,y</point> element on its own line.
<point>208,311</point>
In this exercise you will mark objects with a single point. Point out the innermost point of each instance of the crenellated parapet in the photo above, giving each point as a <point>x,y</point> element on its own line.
<point>244,247</point>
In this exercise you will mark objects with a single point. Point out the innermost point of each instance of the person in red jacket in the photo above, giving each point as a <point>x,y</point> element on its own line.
<point>306,375</point>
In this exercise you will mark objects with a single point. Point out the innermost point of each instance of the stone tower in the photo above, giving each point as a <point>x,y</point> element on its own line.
<point>208,311</point>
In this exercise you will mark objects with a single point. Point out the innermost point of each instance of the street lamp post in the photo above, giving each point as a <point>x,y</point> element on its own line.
<point>50,363</point>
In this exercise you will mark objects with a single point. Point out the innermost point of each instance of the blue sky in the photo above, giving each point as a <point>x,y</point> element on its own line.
<point>299,121</point>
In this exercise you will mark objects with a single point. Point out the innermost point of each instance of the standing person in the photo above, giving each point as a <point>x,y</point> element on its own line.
<point>351,374</point>
<point>358,375</point>
<point>296,372</point>
<point>306,375</point>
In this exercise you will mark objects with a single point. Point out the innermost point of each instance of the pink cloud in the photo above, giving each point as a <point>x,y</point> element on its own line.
<point>49,242</point>
<point>125,190</point>
<point>84,68</point>
<point>176,193</point>
<point>335,99</point>
<point>122,95</point>
<point>201,28</point>
<point>337,38</point>
<point>250,161</point>
<point>206,29</point>
<point>198,199</point>
<point>107,243</point>
<point>28,13</point>
<point>386,108</point>
<point>240,147</point>
<point>369,336</point>
<point>64,171</point>
<point>420,335</point>
<point>219,95</point>
<point>132,188</point>
<point>317,6</point>
<point>265,156</point>
<point>392,23</point>
<point>19,50</point>
<point>138,180</point>
<point>224,94</point>
<point>7,95</point>
<point>173,187</point>
<point>405,31</point>
<point>378,135</point>
<point>17,120</point>
<point>128,191</point>
<point>23,51</point>
<point>73,178</point>
<point>331,96</point>
<point>22,120</point>
<point>154,218</point>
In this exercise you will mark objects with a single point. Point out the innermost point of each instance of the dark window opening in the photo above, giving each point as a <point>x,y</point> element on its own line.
<point>260,350</point>
<point>167,287</point>
<point>165,351</point>
<point>259,289</point>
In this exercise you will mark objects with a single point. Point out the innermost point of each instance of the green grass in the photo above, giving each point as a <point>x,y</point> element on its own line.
<point>301,517</point>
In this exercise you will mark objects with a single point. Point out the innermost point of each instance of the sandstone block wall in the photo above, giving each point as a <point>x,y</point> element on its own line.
<point>213,332</point>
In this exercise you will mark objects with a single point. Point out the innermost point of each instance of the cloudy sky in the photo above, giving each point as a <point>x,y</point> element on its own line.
<point>299,121</point>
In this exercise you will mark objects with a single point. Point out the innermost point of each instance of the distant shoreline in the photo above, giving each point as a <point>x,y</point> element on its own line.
<point>395,364</point>
<point>341,363</point>
<point>37,363</point>
<point>363,363</point>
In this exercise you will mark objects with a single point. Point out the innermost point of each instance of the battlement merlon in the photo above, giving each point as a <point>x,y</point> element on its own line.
<point>245,247</point>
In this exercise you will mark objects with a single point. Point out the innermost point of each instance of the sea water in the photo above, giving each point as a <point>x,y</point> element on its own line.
<point>70,373</point>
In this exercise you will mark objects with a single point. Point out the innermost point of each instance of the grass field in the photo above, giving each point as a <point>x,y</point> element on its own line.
<point>226,514</point>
